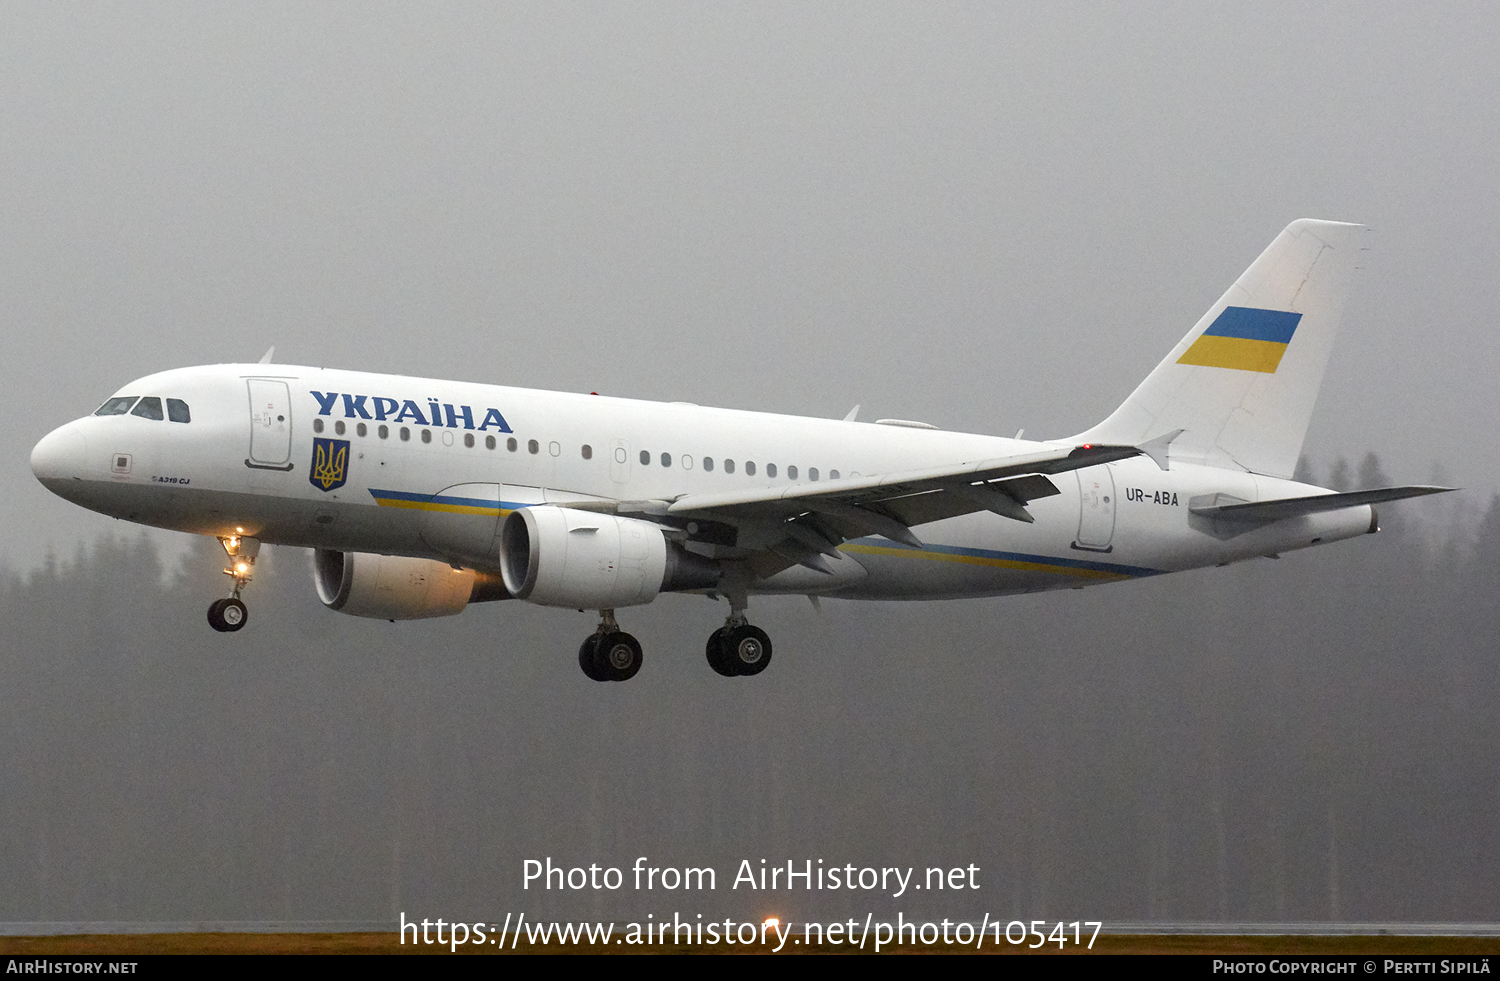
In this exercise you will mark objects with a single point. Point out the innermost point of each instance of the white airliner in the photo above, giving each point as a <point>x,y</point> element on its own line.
<point>421,496</point>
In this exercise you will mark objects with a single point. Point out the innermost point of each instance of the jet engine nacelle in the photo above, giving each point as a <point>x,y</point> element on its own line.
<point>392,587</point>
<point>557,556</point>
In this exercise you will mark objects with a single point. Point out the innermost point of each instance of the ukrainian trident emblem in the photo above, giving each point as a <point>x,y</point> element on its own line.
<point>330,463</point>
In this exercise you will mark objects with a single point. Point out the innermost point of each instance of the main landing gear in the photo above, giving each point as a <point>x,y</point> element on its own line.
<point>229,615</point>
<point>738,648</point>
<point>609,654</point>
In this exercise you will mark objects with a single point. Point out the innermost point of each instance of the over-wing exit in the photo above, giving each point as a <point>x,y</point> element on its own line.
<point>421,496</point>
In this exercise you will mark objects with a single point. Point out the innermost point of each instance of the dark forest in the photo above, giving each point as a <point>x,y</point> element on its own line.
<point>1313,738</point>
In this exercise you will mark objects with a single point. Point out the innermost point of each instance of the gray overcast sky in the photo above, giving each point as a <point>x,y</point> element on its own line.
<point>982,215</point>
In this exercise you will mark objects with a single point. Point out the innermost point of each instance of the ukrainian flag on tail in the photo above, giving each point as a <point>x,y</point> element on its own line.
<point>1237,397</point>
<point>1244,338</point>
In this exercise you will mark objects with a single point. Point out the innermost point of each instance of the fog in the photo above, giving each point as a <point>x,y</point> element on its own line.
<point>983,216</point>
<point>1308,739</point>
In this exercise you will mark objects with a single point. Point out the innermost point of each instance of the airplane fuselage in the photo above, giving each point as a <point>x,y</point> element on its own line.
<point>431,467</point>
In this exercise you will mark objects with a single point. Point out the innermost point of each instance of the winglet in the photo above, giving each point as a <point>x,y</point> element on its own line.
<point>1156,448</point>
<point>266,358</point>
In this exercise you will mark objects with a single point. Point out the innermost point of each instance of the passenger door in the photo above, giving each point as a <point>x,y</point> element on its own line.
<point>270,424</point>
<point>1096,508</point>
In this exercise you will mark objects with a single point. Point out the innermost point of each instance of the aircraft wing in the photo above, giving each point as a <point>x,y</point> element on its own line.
<point>809,518</point>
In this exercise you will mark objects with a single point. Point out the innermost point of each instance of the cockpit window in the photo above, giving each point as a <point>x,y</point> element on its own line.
<point>148,408</point>
<point>177,411</point>
<point>116,407</point>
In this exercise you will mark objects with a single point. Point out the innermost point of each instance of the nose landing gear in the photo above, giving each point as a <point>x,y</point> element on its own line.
<point>609,654</point>
<point>229,615</point>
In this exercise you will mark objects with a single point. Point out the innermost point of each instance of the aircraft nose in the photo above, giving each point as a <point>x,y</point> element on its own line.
<point>60,455</point>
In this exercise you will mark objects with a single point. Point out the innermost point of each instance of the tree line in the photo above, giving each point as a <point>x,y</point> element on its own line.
<point>1311,738</point>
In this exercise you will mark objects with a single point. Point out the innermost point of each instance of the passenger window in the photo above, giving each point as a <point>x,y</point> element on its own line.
<point>532,446</point>
<point>317,425</point>
<point>511,444</point>
<point>555,448</point>
<point>686,461</point>
<point>338,428</point>
<point>749,468</point>
<point>116,407</point>
<point>588,452</point>
<point>426,435</point>
<point>177,411</point>
<point>469,440</point>
<point>708,463</point>
<point>833,475</point>
<point>405,434</point>
<point>729,466</point>
<point>791,473</point>
<point>771,470</point>
<point>666,459</point>
<point>489,442</point>
<point>645,458</point>
<point>384,431</point>
<point>362,429</point>
<point>148,408</point>
<point>812,473</point>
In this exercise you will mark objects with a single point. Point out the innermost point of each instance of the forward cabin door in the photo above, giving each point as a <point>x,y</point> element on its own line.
<point>270,424</point>
<point>1096,503</point>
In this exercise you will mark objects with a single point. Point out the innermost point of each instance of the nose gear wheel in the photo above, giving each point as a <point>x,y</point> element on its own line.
<point>227,615</point>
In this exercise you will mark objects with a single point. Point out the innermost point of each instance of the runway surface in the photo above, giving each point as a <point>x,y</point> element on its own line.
<point>1199,939</point>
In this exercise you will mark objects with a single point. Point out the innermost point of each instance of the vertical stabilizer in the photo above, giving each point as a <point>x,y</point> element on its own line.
<point>1241,385</point>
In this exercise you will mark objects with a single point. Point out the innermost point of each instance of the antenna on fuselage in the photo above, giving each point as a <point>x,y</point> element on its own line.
<point>852,413</point>
<point>266,358</point>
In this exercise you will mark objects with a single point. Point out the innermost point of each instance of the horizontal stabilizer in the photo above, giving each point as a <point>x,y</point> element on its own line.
<point>1296,507</point>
